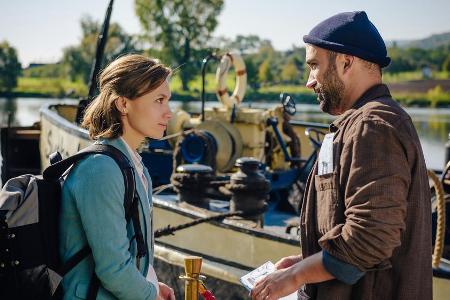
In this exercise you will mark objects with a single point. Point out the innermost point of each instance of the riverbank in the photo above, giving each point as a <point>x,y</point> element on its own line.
<point>432,125</point>
<point>413,93</point>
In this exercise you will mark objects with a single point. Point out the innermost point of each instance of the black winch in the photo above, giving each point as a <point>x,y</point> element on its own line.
<point>249,188</point>
<point>191,181</point>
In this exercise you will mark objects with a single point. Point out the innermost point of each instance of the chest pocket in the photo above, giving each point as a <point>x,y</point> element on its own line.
<point>328,210</point>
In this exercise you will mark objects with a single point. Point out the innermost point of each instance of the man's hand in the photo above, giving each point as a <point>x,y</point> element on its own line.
<point>288,261</point>
<point>165,292</point>
<point>287,280</point>
<point>275,285</point>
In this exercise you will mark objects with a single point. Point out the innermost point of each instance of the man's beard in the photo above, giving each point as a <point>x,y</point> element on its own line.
<point>331,91</point>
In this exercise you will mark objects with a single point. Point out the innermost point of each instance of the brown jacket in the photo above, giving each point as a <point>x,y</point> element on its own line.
<point>373,211</point>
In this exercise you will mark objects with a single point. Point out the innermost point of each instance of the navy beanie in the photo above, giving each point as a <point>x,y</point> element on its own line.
<point>350,33</point>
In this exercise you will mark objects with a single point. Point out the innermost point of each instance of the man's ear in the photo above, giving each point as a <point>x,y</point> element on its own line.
<point>121,105</point>
<point>347,63</point>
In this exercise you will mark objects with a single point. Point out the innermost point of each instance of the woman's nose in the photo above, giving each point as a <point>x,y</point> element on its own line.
<point>168,113</point>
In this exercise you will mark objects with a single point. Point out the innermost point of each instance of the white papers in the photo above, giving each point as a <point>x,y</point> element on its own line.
<point>249,280</point>
<point>325,163</point>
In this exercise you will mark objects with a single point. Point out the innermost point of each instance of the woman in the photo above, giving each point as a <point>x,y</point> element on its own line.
<point>132,105</point>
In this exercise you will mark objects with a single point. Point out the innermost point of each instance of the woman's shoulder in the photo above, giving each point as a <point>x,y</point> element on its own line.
<point>96,167</point>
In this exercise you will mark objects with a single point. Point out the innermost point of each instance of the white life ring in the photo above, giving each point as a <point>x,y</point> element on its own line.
<point>221,80</point>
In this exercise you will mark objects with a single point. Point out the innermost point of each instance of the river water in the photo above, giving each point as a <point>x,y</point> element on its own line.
<point>433,125</point>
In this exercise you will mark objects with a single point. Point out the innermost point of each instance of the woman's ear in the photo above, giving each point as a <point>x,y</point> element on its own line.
<point>121,105</point>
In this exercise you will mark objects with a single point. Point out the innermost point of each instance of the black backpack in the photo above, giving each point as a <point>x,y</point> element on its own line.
<point>30,265</point>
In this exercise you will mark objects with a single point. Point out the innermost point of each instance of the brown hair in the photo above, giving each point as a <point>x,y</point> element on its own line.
<point>129,76</point>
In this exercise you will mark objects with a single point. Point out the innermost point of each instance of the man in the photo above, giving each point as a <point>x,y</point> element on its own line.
<point>366,217</point>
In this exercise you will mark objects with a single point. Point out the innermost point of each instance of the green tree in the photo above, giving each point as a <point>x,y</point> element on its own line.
<point>252,73</point>
<point>10,67</point>
<point>178,27</point>
<point>446,64</point>
<point>290,72</point>
<point>246,44</point>
<point>265,74</point>
<point>78,59</point>
<point>55,70</point>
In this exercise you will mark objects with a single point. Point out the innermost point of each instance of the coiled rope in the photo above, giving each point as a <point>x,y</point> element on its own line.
<point>440,229</point>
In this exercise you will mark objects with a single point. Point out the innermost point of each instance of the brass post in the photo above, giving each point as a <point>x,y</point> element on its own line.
<point>192,267</point>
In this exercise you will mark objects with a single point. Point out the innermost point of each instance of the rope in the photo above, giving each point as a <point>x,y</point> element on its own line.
<point>171,136</point>
<point>161,188</point>
<point>168,230</point>
<point>440,230</point>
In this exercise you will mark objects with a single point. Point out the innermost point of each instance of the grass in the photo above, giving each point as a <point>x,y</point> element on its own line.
<point>435,97</point>
<point>58,88</point>
<point>50,87</point>
<point>413,75</point>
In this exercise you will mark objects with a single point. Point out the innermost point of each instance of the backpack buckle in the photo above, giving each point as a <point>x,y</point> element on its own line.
<point>55,157</point>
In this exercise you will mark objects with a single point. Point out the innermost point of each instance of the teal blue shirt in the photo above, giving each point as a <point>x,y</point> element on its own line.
<point>92,213</point>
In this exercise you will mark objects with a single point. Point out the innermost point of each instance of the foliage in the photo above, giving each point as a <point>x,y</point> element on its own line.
<point>53,87</point>
<point>409,76</point>
<point>179,29</point>
<point>437,96</point>
<point>252,73</point>
<point>50,87</point>
<point>246,44</point>
<point>446,64</point>
<point>411,59</point>
<point>430,42</point>
<point>265,74</point>
<point>45,71</point>
<point>290,72</point>
<point>78,59</point>
<point>10,67</point>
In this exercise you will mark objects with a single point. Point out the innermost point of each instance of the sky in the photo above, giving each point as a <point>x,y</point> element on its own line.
<point>41,29</point>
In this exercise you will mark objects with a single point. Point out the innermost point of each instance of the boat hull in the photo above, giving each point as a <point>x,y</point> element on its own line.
<point>229,248</point>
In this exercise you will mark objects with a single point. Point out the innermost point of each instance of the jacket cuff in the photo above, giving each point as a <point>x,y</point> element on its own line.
<point>344,272</point>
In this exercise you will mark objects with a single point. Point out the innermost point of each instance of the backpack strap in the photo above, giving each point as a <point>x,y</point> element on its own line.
<point>57,169</point>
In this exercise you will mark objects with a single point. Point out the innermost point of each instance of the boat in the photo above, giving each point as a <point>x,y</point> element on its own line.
<point>253,241</point>
<point>230,247</point>
<point>233,230</point>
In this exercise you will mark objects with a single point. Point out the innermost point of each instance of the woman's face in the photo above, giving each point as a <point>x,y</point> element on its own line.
<point>149,114</point>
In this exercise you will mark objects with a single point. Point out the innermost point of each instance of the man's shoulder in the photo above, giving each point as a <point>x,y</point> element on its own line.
<point>383,110</point>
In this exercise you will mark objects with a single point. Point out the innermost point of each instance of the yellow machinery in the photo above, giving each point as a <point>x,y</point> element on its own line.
<point>238,132</point>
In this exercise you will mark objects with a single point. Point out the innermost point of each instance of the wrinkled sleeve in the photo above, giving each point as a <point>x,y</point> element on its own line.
<point>344,272</point>
<point>99,197</point>
<point>375,196</point>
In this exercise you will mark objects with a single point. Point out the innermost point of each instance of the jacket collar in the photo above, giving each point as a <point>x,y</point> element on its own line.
<point>375,92</point>
<point>119,144</point>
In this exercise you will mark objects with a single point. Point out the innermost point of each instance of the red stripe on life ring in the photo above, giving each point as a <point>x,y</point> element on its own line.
<point>222,92</point>
<point>241,72</point>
